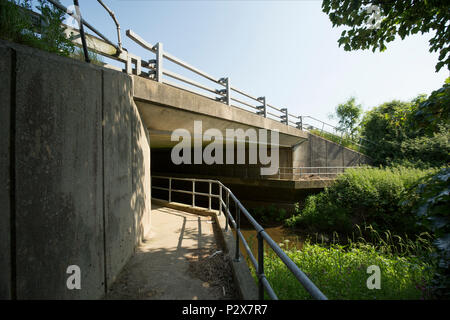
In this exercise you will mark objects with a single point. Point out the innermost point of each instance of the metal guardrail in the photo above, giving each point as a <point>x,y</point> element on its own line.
<point>226,93</point>
<point>294,172</point>
<point>224,192</point>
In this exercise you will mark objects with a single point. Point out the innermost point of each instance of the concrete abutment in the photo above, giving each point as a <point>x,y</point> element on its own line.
<point>74,174</point>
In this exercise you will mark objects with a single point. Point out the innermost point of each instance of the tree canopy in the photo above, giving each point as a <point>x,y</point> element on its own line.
<point>348,114</point>
<point>373,23</point>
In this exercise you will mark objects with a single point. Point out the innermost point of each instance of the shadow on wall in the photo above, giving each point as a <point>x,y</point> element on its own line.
<point>77,174</point>
<point>126,173</point>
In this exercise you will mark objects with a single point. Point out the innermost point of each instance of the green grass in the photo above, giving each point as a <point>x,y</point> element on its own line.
<point>340,271</point>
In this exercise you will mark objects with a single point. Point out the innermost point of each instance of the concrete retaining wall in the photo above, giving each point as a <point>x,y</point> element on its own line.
<point>5,160</point>
<point>80,175</point>
<point>319,152</point>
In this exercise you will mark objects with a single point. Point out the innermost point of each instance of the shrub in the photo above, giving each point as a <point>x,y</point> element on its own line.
<point>17,25</point>
<point>431,205</point>
<point>366,196</point>
<point>269,214</point>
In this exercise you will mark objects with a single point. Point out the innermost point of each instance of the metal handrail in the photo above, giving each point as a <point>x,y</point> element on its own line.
<point>301,171</point>
<point>157,71</point>
<point>263,283</point>
<point>226,93</point>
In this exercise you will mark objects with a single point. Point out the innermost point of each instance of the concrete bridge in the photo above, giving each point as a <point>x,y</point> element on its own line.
<point>76,144</point>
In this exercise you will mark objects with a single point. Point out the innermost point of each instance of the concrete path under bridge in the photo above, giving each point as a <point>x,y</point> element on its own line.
<point>174,261</point>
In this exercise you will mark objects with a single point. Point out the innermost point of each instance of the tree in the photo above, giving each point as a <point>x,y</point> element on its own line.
<point>405,135</point>
<point>348,114</point>
<point>399,17</point>
<point>434,111</point>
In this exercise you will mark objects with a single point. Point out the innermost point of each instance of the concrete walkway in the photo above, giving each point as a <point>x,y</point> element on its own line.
<point>160,268</point>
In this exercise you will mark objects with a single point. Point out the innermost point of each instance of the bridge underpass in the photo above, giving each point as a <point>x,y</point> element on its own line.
<point>165,108</point>
<point>84,135</point>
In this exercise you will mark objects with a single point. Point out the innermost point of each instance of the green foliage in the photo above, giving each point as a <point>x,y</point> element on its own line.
<point>46,33</point>
<point>15,23</point>
<point>52,37</point>
<point>431,205</point>
<point>348,114</point>
<point>96,59</point>
<point>401,17</point>
<point>433,113</point>
<point>414,133</point>
<point>269,214</point>
<point>340,271</point>
<point>425,151</point>
<point>366,196</point>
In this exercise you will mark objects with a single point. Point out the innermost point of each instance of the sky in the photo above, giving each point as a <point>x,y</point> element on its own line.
<point>286,51</point>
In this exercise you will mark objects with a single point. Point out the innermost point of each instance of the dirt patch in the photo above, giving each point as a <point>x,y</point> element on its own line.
<point>214,268</point>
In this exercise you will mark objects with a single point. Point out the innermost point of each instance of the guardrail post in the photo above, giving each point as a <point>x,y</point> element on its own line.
<point>238,228</point>
<point>209,197</point>
<point>227,210</point>
<point>159,61</point>
<point>227,91</point>
<point>170,190</point>
<point>193,193</point>
<point>262,110</point>
<point>228,88</point>
<point>300,123</point>
<point>220,200</point>
<point>284,117</point>
<point>260,266</point>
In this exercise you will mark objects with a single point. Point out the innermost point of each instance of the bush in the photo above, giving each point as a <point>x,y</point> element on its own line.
<point>431,205</point>
<point>16,25</point>
<point>269,214</point>
<point>340,272</point>
<point>414,133</point>
<point>365,196</point>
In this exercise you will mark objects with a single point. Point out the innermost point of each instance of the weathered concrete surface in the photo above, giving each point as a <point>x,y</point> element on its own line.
<point>180,108</point>
<point>319,152</point>
<point>159,269</point>
<point>72,175</point>
<point>5,206</point>
<point>117,142</point>
<point>59,218</point>
<point>141,197</point>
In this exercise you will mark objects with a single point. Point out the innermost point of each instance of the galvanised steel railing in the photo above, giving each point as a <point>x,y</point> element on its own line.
<point>226,93</point>
<point>297,172</point>
<point>224,192</point>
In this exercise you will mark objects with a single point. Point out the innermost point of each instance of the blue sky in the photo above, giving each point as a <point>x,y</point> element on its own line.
<point>284,50</point>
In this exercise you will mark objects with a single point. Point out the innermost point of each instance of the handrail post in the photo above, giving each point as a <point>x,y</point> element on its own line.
<point>220,200</point>
<point>260,266</point>
<point>227,209</point>
<point>159,61</point>
<point>262,110</point>
<point>300,123</point>
<point>170,190</point>
<point>228,88</point>
<point>284,117</point>
<point>238,228</point>
<point>209,197</point>
<point>227,91</point>
<point>193,193</point>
